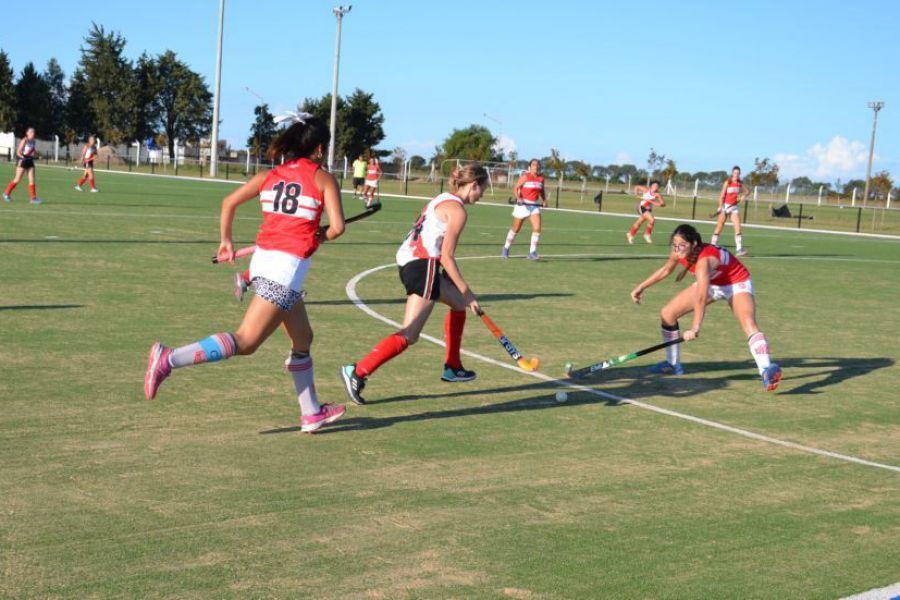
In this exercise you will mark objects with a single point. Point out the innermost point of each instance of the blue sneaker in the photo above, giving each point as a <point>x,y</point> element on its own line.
<point>504,253</point>
<point>353,383</point>
<point>771,377</point>
<point>664,367</point>
<point>453,375</point>
<point>532,256</point>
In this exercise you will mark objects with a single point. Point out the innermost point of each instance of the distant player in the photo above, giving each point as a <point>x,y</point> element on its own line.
<point>733,193</point>
<point>293,197</point>
<point>25,154</point>
<point>650,197</point>
<point>88,155</point>
<point>373,175</point>
<point>429,272</point>
<point>530,199</point>
<point>720,276</point>
<point>359,175</point>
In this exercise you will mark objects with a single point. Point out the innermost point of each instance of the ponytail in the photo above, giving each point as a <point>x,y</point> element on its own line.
<point>461,176</point>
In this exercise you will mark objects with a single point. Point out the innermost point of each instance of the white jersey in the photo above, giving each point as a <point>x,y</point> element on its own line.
<point>425,239</point>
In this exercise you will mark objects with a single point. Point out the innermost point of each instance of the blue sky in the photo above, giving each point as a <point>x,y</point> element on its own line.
<point>709,84</point>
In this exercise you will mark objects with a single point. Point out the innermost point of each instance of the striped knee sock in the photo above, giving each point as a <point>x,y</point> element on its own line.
<point>300,366</point>
<point>216,347</point>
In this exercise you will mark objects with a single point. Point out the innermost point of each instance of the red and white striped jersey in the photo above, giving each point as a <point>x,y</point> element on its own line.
<point>647,199</point>
<point>373,172</point>
<point>292,207</point>
<point>532,188</point>
<point>427,236</point>
<point>729,271</point>
<point>89,153</point>
<point>732,191</point>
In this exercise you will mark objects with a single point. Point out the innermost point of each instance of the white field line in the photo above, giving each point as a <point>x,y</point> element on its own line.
<point>568,210</point>
<point>891,592</point>
<point>358,302</point>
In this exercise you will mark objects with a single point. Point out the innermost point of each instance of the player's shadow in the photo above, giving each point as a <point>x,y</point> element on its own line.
<point>625,382</point>
<point>483,298</point>
<point>40,306</point>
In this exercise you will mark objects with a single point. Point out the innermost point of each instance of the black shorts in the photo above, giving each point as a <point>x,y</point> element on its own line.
<point>422,277</point>
<point>358,181</point>
<point>644,209</point>
<point>25,163</point>
<point>88,164</point>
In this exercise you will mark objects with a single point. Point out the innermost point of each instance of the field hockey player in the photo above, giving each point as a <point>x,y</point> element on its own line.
<point>293,197</point>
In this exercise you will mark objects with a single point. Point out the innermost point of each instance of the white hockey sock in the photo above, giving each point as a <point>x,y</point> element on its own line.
<point>738,241</point>
<point>715,239</point>
<point>535,239</point>
<point>673,352</point>
<point>510,236</point>
<point>300,365</point>
<point>759,348</point>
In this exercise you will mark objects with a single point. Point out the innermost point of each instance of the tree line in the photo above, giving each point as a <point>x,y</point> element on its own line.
<point>109,95</point>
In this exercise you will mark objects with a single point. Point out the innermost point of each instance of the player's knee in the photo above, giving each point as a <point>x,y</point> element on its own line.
<point>668,318</point>
<point>247,344</point>
<point>411,336</point>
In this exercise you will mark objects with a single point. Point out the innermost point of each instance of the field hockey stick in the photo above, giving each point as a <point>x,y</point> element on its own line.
<point>590,370</point>
<point>251,249</point>
<point>527,364</point>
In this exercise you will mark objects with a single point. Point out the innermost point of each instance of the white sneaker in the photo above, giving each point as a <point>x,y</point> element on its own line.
<point>630,238</point>
<point>647,238</point>
<point>94,190</point>
<point>78,188</point>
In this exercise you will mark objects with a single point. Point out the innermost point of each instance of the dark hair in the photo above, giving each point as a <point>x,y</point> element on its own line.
<point>735,167</point>
<point>300,140</point>
<point>656,181</point>
<point>689,234</point>
<point>534,160</point>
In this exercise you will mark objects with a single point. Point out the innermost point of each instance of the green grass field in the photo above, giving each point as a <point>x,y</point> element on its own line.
<point>487,489</point>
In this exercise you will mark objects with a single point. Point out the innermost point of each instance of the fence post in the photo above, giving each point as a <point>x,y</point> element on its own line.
<point>888,204</point>
<point>800,216</point>
<point>858,216</point>
<point>442,184</point>
<point>226,171</point>
<point>853,201</point>
<point>152,167</point>
<point>56,148</point>
<point>406,178</point>
<point>819,203</point>
<point>694,207</point>
<point>107,162</point>
<point>606,191</point>
<point>557,196</point>
<point>746,204</point>
<point>129,164</point>
<point>787,193</point>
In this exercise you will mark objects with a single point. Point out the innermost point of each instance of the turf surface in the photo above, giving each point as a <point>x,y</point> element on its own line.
<point>485,489</point>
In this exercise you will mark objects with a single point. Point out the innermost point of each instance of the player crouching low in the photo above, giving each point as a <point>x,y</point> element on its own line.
<point>720,276</point>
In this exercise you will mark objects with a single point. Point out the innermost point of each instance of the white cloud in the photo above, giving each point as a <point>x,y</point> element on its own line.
<point>424,148</point>
<point>838,158</point>
<point>505,144</point>
<point>623,158</point>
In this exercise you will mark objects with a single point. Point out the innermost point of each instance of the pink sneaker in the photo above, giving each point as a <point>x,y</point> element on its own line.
<point>158,369</point>
<point>328,414</point>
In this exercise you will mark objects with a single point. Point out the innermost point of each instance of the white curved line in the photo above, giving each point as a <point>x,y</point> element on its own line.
<point>357,301</point>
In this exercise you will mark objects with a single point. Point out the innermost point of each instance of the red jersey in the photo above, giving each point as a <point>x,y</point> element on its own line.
<point>373,172</point>
<point>292,207</point>
<point>732,191</point>
<point>89,153</point>
<point>729,271</point>
<point>532,188</point>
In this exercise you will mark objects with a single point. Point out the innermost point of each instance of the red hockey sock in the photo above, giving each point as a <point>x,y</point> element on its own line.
<point>649,228</point>
<point>32,189</point>
<point>91,180</point>
<point>453,330</point>
<point>81,181</point>
<point>383,351</point>
<point>635,229</point>
<point>10,187</point>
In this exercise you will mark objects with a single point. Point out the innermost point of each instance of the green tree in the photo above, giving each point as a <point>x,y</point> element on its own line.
<point>880,185</point>
<point>7,94</point>
<point>417,162</point>
<point>56,81</point>
<point>359,124</point>
<point>670,171</point>
<point>147,85</point>
<point>183,102</point>
<point>108,82</point>
<point>79,113</point>
<point>262,132</point>
<point>655,162</point>
<point>859,184</point>
<point>398,156</point>
<point>556,164</point>
<point>32,102</point>
<point>475,142</point>
<point>764,173</point>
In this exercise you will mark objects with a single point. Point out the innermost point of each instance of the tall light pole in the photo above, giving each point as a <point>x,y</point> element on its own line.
<point>214,141</point>
<point>875,106</point>
<point>339,12</point>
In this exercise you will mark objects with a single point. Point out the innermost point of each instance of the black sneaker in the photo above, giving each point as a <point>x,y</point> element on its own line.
<point>460,374</point>
<point>353,383</point>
